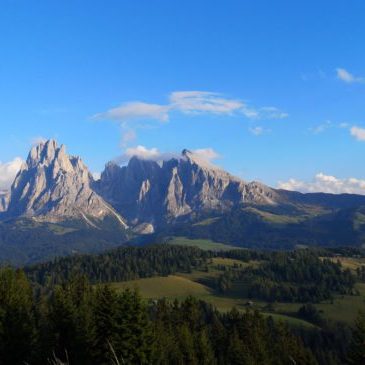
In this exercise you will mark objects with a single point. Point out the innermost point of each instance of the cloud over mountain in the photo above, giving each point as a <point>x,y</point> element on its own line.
<point>8,171</point>
<point>154,154</point>
<point>326,184</point>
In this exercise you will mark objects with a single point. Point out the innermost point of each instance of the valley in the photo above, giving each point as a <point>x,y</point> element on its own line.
<point>308,297</point>
<point>199,284</point>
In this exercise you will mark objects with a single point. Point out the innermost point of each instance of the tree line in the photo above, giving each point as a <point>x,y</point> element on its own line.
<point>60,311</point>
<point>121,264</point>
<point>297,276</point>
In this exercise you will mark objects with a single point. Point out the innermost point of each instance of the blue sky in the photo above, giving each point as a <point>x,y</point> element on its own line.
<point>272,90</point>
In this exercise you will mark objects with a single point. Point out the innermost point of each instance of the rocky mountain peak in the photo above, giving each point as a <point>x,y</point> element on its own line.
<point>148,191</point>
<point>43,153</point>
<point>54,186</point>
<point>199,162</point>
<point>112,169</point>
<point>185,152</point>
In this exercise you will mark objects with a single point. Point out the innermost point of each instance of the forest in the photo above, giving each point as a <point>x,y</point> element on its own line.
<point>66,311</point>
<point>299,276</point>
<point>84,325</point>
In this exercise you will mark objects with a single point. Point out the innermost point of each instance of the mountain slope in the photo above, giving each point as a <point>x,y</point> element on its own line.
<point>52,187</point>
<point>53,210</point>
<point>148,191</point>
<point>56,208</point>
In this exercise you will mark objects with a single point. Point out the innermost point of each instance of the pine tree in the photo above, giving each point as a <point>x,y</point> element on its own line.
<point>132,336</point>
<point>186,344</point>
<point>357,346</point>
<point>17,327</point>
<point>62,323</point>
<point>104,312</point>
<point>204,349</point>
<point>236,354</point>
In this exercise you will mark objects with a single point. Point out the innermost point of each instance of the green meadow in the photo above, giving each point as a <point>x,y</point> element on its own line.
<point>198,284</point>
<point>203,244</point>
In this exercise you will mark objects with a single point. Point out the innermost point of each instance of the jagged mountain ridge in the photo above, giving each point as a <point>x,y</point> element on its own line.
<point>155,192</point>
<point>53,186</point>
<point>55,207</point>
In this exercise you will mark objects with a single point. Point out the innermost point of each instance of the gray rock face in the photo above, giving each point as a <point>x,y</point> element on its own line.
<point>53,186</point>
<point>147,191</point>
<point>4,201</point>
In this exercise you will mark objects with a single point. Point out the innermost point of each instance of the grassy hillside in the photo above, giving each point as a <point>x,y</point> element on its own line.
<point>26,241</point>
<point>171,287</point>
<point>180,287</point>
<point>203,244</point>
<point>344,308</point>
<point>281,227</point>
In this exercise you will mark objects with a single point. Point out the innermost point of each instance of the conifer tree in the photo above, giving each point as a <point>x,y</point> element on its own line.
<point>357,346</point>
<point>62,323</point>
<point>17,327</point>
<point>132,331</point>
<point>104,311</point>
<point>204,349</point>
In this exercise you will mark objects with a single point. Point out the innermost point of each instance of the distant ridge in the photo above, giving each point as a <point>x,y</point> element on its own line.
<point>55,207</point>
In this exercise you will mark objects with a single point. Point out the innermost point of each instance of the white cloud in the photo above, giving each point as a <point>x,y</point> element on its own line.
<point>38,140</point>
<point>358,133</point>
<point>327,125</point>
<point>127,137</point>
<point>203,102</point>
<point>206,154</point>
<point>143,152</point>
<point>321,127</point>
<point>271,112</point>
<point>154,154</point>
<point>136,110</point>
<point>348,77</point>
<point>257,131</point>
<point>249,112</point>
<point>189,102</point>
<point>185,102</point>
<point>8,171</point>
<point>327,184</point>
<point>96,175</point>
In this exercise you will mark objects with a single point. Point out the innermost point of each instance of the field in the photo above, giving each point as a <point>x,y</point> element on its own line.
<point>179,287</point>
<point>170,287</point>
<point>197,284</point>
<point>351,263</point>
<point>200,243</point>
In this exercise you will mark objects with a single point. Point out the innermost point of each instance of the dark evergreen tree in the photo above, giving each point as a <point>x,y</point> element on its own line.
<point>357,347</point>
<point>17,326</point>
<point>104,312</point>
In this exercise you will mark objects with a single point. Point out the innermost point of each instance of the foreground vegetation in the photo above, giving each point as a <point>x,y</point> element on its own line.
<point>84,325</point>
<point>173,304</point>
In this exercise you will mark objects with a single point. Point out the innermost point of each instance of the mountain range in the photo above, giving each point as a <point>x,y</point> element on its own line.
<point>56,207</point>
